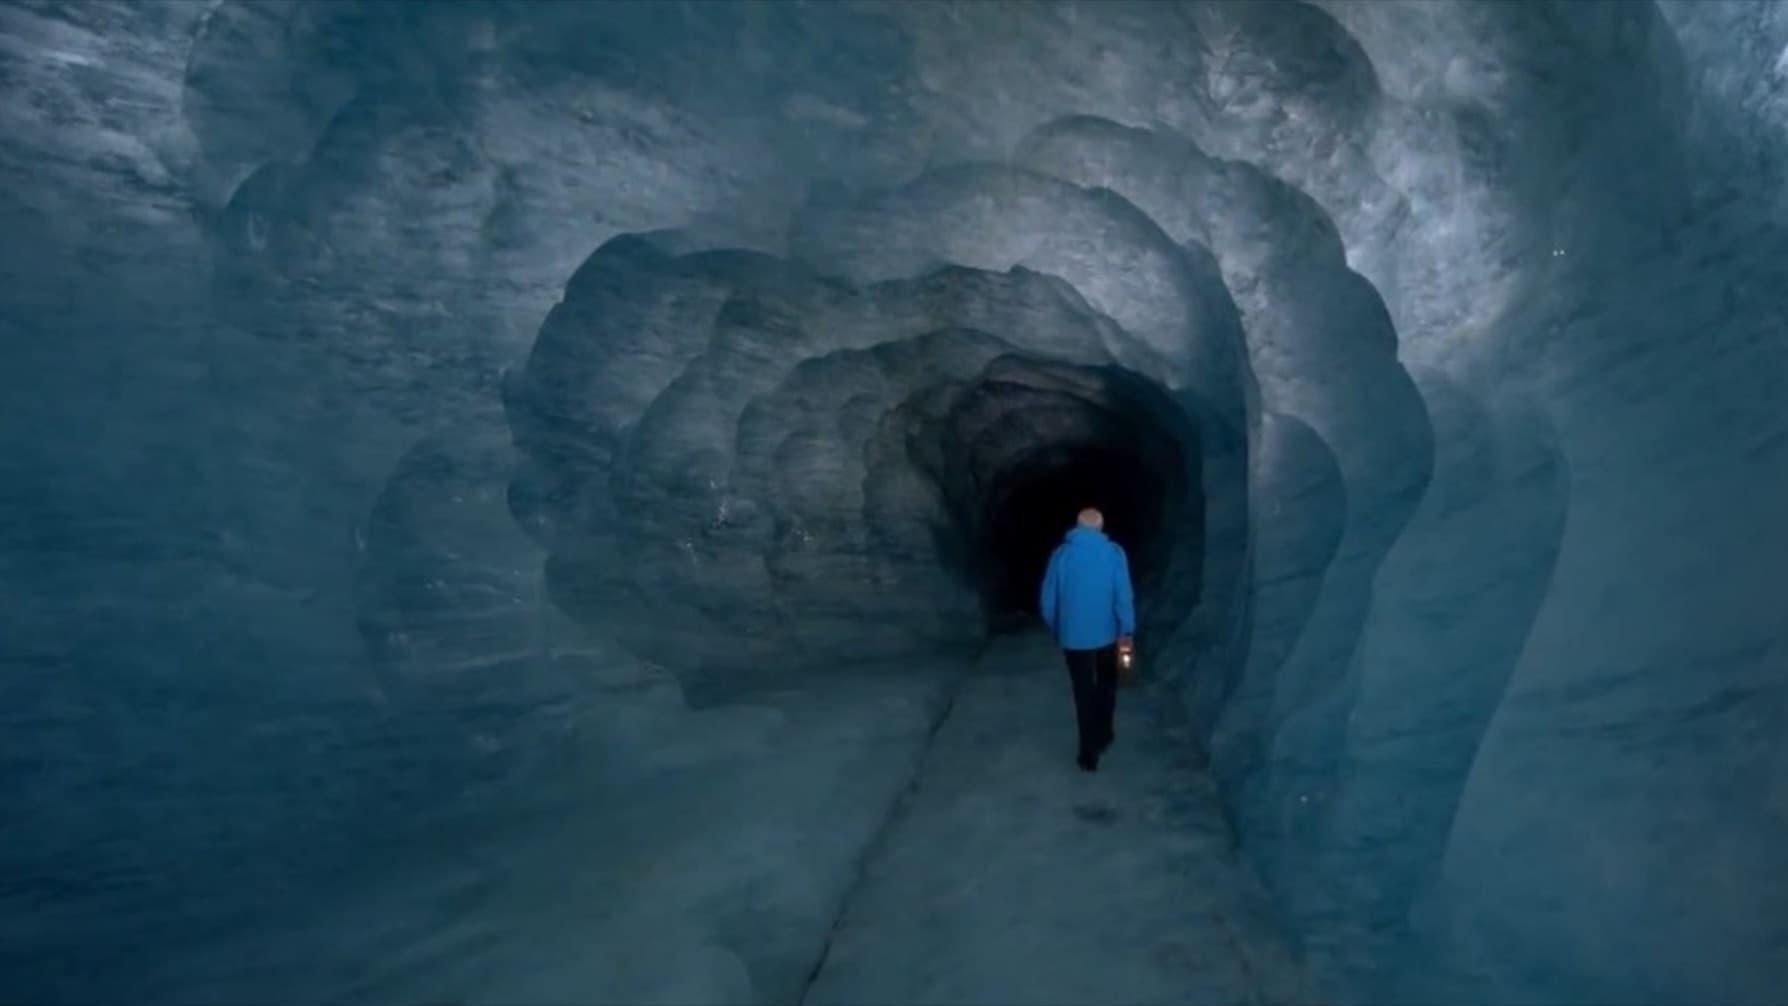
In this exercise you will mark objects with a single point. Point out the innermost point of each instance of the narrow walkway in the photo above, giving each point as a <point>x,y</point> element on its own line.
<point>1009,876</point>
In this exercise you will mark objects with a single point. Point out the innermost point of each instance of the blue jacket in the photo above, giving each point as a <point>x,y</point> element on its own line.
<point>1086,598</point>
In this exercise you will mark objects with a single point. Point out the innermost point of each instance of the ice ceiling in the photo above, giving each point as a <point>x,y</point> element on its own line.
<point>1429,357</point>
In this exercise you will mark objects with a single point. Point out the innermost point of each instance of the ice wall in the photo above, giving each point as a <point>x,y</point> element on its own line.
<point>404,401</point>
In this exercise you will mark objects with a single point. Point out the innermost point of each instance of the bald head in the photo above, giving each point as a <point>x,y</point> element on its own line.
<point>1092,518</point>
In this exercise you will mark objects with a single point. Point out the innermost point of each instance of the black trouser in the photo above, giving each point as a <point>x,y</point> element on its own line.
<point>1094,673</point>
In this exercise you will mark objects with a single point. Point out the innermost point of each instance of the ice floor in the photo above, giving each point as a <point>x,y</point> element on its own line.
<point>892,834</point>
<point>1007,875</point>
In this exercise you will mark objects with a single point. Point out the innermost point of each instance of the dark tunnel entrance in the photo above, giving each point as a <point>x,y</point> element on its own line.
<point>1033,505</point>
<point>1038,442</point>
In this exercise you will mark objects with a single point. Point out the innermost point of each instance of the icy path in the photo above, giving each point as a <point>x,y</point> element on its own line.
<point>920,833</point>
<point>1007,875</point>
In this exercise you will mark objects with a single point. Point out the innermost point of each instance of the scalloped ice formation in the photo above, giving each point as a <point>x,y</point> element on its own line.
<point>1426,356</point>
<point>799,462</point>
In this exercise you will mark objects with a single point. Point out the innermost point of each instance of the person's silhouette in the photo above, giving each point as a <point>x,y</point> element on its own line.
<point>1087,602</point>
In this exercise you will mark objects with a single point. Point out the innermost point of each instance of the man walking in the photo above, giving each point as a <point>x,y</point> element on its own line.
<point>1088,605</point>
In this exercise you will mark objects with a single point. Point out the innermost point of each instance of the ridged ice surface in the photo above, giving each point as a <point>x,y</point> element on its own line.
<point>496,500</point>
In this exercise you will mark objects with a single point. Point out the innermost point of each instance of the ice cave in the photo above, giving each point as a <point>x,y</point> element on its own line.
<point>510,503</point>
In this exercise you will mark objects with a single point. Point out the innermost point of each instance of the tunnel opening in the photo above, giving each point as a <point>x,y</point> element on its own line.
<point>1032,506</point>
<point>1031,443</point>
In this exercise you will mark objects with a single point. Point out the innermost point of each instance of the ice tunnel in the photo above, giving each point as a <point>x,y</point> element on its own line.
<point>544,503</point>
